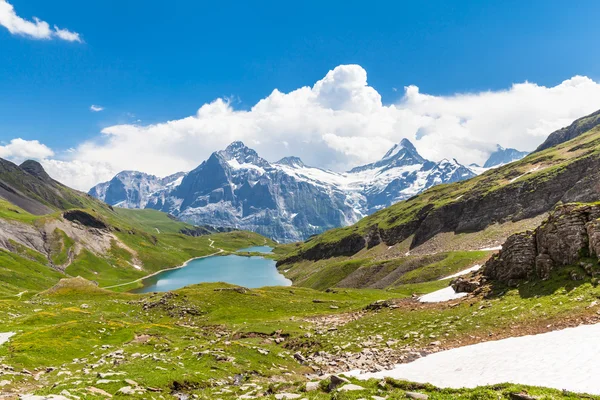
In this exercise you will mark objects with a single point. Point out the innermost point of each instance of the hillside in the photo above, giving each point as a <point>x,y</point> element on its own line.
<point>68,233</point>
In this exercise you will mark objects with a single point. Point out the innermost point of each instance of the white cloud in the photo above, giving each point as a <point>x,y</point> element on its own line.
<point>36,29</point>
<point>95,108</point>
<point>19,150</point>
<point>338,123</point>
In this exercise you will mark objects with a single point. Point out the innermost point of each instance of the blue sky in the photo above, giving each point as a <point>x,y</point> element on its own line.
<point>153,61</point>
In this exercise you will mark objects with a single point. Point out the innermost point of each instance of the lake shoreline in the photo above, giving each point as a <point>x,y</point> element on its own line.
<point>185,264</point>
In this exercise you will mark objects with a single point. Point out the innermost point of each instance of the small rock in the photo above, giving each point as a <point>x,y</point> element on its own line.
<point>415,395</point>
<point>126,390</point>
<point>522,396</point>
<point>351,388</point>
<point>335,381</point>
<point>100,392</point>
<point>312,386</point>
<point>287,396</point>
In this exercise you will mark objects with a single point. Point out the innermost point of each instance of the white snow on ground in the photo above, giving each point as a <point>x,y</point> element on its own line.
<point>464,272</point>
<point>5,336</point>
<point>441,295</point>
<point>565,359</point>
<point>491,248</point>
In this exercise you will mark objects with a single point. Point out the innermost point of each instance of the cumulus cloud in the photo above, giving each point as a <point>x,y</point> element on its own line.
<point>95,108</point>
<point>337,123</point>
<point>36,29</point>
<point>19,150</point>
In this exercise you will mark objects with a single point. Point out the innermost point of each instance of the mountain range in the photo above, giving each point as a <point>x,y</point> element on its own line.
<point>286,200</point>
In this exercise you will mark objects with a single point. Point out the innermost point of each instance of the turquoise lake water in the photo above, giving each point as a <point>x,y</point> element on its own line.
<point>250,272</point>
<point>257,249</point>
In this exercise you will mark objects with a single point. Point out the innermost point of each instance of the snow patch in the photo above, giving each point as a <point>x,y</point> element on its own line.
<point>5,336</point>
<point>565,359</point>
<point>491,248</point>
<point>438,296</point>
<point>461,273</point>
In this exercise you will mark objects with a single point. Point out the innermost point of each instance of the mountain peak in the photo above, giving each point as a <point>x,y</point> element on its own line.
<point>503,156</point>
<point>401,154</point>
<point>291,161</point>
<point>404,144</point>
<point>35,168</point>
<point>243,154</point>
<point>236,146</point>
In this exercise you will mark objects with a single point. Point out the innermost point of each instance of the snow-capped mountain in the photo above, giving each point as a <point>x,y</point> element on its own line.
<point>503,156</point>
<point>286,200</point>
<point>132,189</point>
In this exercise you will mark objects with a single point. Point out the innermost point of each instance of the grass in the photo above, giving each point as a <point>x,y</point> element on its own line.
<point>60,247</point>
<point>191,333</point>
<point>452,263</point>
<point>18,274</point>
<point>367,271</point>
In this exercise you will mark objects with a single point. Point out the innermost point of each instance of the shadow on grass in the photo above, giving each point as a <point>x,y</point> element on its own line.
<point>560,279</point>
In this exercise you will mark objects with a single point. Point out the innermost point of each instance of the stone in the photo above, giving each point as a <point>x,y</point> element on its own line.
<point>126,390</point>
<point>335,381</point>
<point>287,396</point>
<point>416,395</point>
<point>522,396</point>
<point>351,388</point>
<point>312,386</point>
<point>100,392</point>
<point>299,357</point>
<point>465,284</point>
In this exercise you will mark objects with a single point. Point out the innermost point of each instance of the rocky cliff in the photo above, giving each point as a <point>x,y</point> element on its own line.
<point>571,232</point>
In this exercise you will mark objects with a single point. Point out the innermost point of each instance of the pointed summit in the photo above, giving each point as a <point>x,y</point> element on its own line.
<point>402,154</point>
<point>243,155</point>
<point>503,156</point>
<point>404,144</point>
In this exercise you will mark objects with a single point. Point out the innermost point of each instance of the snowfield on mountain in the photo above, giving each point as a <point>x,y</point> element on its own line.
<point>286,200</point>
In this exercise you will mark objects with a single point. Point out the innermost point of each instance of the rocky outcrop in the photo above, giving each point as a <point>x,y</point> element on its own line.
<point>572,231</point>
<point>85,219</point>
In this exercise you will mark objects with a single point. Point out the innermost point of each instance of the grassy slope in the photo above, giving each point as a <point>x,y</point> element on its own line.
<point>56,329</point>
<point>135,228</point>
<point>366,270</point>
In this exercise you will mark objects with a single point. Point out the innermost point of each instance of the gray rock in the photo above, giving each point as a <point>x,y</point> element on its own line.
<point>335,381</point>
<point>351,388</point>
<point>416,395</point>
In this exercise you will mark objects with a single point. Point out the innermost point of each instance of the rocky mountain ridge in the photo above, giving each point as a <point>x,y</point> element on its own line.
<point>286,200</point>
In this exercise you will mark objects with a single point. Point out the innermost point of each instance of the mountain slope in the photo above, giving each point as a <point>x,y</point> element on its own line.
<point>29,187</point>
<point>503,156</point>
<point>579,127</point>
<point>286,200</point>
<point>131,189</point>
<point>517,192</point>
